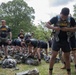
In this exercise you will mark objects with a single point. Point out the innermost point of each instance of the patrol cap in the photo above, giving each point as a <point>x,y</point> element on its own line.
<point>65,11</point>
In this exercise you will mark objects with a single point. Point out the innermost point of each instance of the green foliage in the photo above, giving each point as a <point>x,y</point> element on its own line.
<point>18,15</point>
<point>74,15</point>
<point>42,33</point>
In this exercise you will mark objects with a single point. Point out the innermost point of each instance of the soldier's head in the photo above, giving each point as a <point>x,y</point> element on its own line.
<point>64,13</point>
<point>3,22</point>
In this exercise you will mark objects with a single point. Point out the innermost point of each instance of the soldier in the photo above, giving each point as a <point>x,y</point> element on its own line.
<point>4,31</point>
<point>63,25</point>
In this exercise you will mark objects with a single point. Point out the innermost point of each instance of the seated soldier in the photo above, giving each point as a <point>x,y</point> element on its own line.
<point>21,35</point>
<point>21,38</point>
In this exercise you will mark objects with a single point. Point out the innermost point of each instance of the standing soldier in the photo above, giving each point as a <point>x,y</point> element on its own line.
<point>63,25</point>
<point>4,32</point>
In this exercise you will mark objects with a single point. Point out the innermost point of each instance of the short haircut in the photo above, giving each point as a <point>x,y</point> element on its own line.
<point>65,11</point>
<point>3,21</point>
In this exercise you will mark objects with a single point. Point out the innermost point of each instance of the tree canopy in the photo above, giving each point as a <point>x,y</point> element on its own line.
<point>18,15</point>
<point>74,15</point>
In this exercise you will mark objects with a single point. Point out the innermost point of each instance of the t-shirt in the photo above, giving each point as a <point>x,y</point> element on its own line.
<point>42,44</point>
<point>4,31</point>
<point>33,42</point>
<point>63,23</point>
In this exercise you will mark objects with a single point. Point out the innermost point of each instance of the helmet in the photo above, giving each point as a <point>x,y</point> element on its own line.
<point>9,63</point>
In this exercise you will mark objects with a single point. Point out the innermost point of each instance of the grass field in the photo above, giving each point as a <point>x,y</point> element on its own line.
<point>43,69</point>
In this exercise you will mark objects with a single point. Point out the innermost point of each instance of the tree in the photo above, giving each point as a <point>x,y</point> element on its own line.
<point>17,15</point>
<point>74,11</point>
<point>42,33</point>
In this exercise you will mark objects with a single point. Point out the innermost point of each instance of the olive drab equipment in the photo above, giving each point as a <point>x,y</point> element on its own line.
<point>56,33</point>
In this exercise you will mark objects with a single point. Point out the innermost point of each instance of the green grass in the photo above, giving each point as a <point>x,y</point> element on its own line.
<point>43,69</point>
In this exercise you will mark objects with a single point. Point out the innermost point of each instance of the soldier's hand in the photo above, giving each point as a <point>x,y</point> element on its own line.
<point>64,29</point>
<point>57,28</point>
